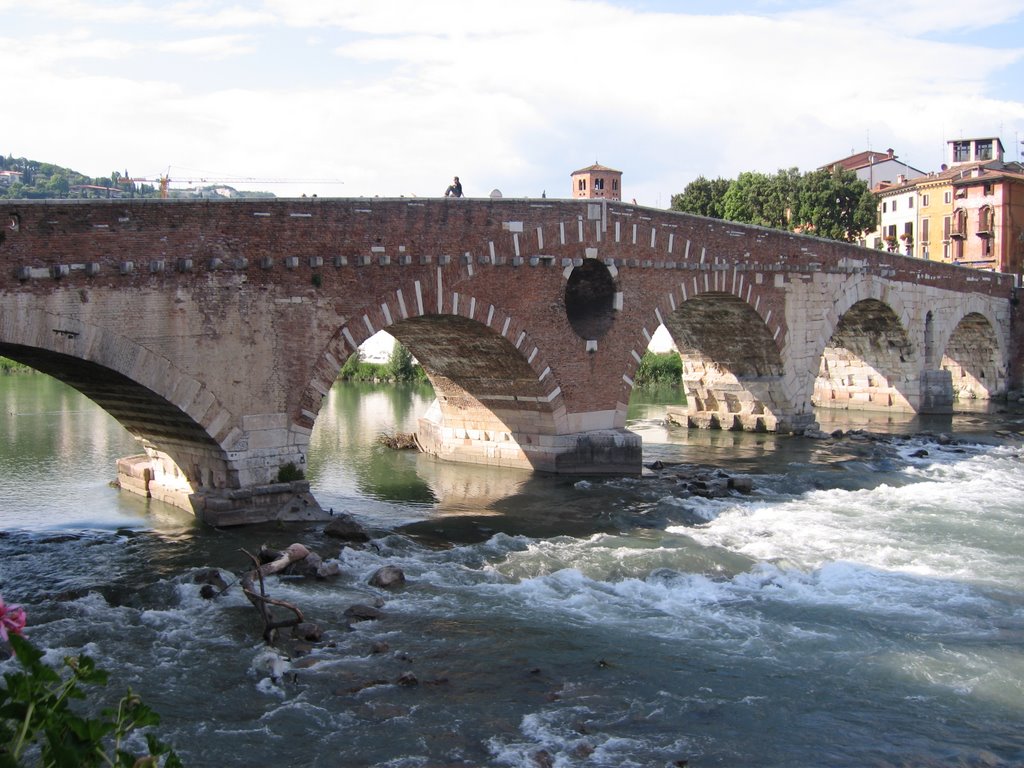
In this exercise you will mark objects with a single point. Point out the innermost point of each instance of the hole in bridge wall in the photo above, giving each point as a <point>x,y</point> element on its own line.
<point>590,299</point>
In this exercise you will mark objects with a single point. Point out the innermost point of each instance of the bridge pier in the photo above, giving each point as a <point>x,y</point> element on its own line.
<point>155,475</point>
<point>936,392</point>
<point>613,451</point>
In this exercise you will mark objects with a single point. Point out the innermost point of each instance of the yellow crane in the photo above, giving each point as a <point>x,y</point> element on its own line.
<point>164,180</point>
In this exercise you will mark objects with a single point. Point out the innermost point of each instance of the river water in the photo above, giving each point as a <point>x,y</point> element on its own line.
<point>863,605</point>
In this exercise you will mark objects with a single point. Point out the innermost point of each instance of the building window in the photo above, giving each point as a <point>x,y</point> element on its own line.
<point>894,205</point>
<point>959,229</point>
<point>924,231</point>
<point>583,185</point>
<point>598,183</point>
<point>986,188</point>
<point>910,202</point>
<point>945,251</point>
<point>615,185</point>
<point>885,207</point>
<point>924,200</point>
<point>947,198</point>
<point>983,150</point>
<point>961,151</point>
<point>985,220</point>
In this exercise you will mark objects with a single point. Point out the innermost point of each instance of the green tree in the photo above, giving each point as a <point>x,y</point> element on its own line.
<point>703,197</point>
<point>659,369</point>
<point>831,204</point>
<point>757,198</point>
<point>400,366</point>
<point>835,204</point>
<point>351,366</point>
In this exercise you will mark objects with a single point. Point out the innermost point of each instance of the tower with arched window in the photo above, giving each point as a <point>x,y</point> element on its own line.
<point>597,181</point>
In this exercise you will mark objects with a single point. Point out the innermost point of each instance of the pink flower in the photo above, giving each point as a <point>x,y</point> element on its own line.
<point>12,619</point>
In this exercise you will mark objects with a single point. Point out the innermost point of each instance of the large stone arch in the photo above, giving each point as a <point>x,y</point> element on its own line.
<point>733,372</point>
<point>868,361</point>
<point>185,431</point>
<point>975,356</point>
<point>498,402</point>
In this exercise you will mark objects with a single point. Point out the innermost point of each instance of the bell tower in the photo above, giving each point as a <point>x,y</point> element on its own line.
<point>597,181</point>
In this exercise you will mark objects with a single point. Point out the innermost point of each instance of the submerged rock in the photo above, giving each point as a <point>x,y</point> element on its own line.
<point>362,612</point>
<point>388,577</point>
<point>344,527</point>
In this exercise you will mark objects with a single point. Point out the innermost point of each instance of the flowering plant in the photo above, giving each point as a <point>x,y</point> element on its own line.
<point>38,726</point>
<point>12,620</point>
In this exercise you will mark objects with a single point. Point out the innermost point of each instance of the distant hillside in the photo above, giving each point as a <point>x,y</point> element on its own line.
<point>21,178</point>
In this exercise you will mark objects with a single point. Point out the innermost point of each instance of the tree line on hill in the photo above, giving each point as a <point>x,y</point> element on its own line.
<point>46,181</point>
<point>827,203</point>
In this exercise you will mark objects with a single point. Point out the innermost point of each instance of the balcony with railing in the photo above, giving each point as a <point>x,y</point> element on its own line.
<point>958,227</point>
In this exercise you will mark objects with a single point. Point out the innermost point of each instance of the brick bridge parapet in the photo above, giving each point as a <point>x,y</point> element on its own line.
<point>213,329</point>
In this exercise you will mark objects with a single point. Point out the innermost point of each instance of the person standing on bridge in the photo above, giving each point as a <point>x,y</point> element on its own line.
<point>454,189</point>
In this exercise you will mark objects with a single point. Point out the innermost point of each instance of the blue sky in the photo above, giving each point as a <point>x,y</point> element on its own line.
<point>343,98</point>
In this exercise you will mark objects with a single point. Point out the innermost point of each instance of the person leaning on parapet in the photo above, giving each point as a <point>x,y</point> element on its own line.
<point>455,189</point>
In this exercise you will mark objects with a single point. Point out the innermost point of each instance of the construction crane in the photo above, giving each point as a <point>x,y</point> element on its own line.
<point>163,182</point>
<point>201,178</point>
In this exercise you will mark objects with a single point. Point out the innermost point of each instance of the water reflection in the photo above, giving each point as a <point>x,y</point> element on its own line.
<point>345,456</point>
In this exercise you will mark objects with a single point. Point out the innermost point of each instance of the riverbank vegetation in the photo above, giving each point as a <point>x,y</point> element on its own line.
<point>401,366</point>
<point>659,369</point>
<point>11,366</point>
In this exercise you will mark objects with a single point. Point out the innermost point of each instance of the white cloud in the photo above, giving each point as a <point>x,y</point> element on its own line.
<point>396,97</point>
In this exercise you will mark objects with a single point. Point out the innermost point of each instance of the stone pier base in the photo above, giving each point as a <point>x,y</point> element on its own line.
<point>287,502</point>
<point>936,392</point>
<point>597,452</point>
<point>738,421</point>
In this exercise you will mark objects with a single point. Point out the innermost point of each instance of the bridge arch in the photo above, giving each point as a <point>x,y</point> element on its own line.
<point>974,354</point>
<point>497,399</point>
<point>866,357</point>
<point>733,373</point>
<point>185,431</point>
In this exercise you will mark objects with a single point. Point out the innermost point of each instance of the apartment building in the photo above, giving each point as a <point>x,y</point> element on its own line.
<point>970,212</point>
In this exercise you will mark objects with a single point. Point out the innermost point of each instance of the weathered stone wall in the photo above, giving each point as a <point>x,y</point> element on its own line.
<point>213,329</point>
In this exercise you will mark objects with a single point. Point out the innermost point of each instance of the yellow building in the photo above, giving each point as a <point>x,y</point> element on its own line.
<point>971,212</point>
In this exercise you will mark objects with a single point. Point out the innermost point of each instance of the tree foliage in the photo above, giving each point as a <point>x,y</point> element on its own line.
<point>835,204</point>
<point>659,369</point>
<point>400,366</point>
<point>41,180</point>
<point>831,204</point>
<point>703,197</point>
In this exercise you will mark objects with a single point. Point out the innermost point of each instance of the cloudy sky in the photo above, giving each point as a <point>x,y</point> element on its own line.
<point>390,98</point>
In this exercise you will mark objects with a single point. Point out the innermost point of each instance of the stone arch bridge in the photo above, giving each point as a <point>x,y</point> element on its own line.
<point>212,330</point>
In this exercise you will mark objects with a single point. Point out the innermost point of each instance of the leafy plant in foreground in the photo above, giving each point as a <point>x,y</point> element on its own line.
<point>39,727</point>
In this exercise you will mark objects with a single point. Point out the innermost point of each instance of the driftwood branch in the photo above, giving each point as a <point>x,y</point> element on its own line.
<point>261,601</point>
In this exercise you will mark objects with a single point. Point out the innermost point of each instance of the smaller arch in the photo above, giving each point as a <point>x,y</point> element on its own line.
<point>733,373</point>
<point>868,362</point>
<point>973,358</point>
